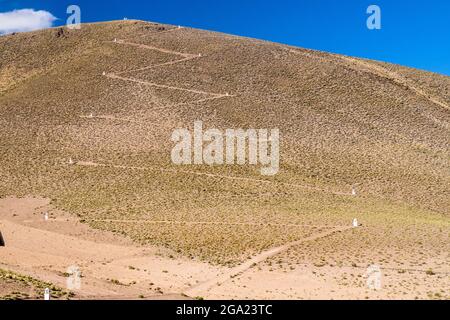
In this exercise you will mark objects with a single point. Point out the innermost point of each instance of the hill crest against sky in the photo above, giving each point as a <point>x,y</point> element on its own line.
<point>412,34</point>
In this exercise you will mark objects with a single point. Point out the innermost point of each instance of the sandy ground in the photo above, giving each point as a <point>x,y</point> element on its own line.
<point>113,267</point>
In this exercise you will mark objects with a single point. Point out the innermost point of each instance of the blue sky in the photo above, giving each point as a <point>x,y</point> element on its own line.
<point>413,33</point>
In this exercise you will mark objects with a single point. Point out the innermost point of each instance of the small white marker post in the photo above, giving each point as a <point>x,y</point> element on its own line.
<point>46,216</point>
<point>199,54</point>
<point>104,73</point>
<point>115,39</point>
<point>355,223</point>
<point>353,191</point>
<point>71,161</point>
<point>47,294</point>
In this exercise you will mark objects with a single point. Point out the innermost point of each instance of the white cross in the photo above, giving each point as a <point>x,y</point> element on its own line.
<point>73,282</point>
<point>47,294</point>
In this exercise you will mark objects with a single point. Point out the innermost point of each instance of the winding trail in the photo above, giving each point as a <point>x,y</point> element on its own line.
<point>148,47</point>
<point>152,84</point>
<point>203,287</point>
<point>155,33</point>
<point>397,78</point>
<point>265,224</point>
<point>158,65</point>
<point>213,175</point>
<point>185,57</point>
<point>206,99</point>
<point>111,118</point>
<point>380,72</point>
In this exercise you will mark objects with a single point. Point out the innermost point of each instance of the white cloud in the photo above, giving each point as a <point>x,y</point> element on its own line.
<point>25,20</point>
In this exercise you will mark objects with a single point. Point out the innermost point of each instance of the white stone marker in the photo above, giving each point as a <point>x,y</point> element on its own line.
<point>373,277</point>
<point>353,191</point>
<point>46,216</point>
<point>104,73</point>
<point>355,223</point>
<point>73,282</point>
<point>115,39</point>
<point>71,161</point>
<point>47,294</point>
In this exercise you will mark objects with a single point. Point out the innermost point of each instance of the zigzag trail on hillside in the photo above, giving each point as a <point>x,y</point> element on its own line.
<point>110,118</point>
<point>152,84</point>
<point>213,175</point>
<point>148,47</point>
<point>383,73</point>
<point>158,65</point>
<point>186,56</point>
<point>201,288</point>
<point>113,118</point>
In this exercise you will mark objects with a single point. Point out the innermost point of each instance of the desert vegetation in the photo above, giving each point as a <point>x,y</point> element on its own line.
<point>14,286</point>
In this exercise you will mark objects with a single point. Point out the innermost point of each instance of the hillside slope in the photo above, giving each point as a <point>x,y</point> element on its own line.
<point>343,122</point>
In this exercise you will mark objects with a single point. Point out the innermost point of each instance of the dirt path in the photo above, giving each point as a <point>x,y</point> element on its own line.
<point>205,99</point>
<point>111,118</point>
<point>268,224</point>
<point>204,287</point>
<point>160,32</point>
<point>148,47</point>
<point>397,78</point>
<point>213,175</point>
<point>112,268</point>
<point>108,117</point>
<point>381,72</point>
<point>186,57</point>
<point>158,65</point>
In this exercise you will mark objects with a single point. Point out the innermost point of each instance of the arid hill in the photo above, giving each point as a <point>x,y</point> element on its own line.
<point>108,96</point>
